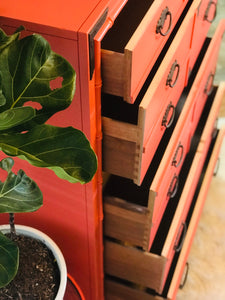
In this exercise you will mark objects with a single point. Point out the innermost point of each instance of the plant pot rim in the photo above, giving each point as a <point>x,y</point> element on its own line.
<point>44,238</point>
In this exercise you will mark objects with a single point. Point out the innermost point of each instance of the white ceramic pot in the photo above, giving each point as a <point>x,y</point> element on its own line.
<point>39,235</point>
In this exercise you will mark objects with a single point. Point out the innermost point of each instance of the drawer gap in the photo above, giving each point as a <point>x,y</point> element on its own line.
<point>172,204</point>
<point>116,108</point>
<point>123,29</point>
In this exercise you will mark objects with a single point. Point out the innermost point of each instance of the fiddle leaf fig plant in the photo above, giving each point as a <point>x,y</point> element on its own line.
<point>35,83</point>
<point>18,193</point>
<point>29,69</point>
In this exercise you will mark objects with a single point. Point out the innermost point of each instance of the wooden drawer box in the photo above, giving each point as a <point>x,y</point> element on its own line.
<point>133,213</point>
<point>132,132</point>
<point>119,289</point>
<point>140,31</point>
<point>151,269</point>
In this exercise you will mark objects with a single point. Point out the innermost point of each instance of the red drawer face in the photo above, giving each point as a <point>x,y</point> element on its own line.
<point>205,16</point>
<point>166,180</point>
<point>155,111</point>
<point>131,49</point>
<point>157,106</point>
<point>161,21</point>
<point>204,79</point>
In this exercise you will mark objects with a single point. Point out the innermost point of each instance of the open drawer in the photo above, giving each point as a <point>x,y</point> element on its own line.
<point>131,47</point>
<point>120,289</point>
<point>133,213</point>
<point>132,132</point>
<point>158,273</point>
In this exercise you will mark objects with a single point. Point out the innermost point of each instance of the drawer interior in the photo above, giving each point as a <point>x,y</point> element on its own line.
<point>125,25</point>
<point>116,108</point>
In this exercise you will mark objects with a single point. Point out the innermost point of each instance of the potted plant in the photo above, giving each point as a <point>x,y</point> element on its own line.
<point>36,83</point>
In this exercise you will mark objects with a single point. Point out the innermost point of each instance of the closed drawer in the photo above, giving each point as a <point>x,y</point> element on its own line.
<point>132,46</point>
<point>120,289</point>
<point>133,213</point>
<point>132,132</point>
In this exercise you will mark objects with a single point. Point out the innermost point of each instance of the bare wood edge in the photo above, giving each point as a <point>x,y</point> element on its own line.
<point>112,72</point>
<point>125,205</point>
<point>195,218</point>
<point>140,144</point>
<point>127,76</point>
<point>115,291</point>
<point>129,221</point>
<point>148,227</point>
<point>119,129</point>
<point>124,257</point>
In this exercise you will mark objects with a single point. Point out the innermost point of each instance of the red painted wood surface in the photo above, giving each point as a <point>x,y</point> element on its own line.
<point>72,213</point>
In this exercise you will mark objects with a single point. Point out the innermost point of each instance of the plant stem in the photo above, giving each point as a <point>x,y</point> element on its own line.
<point>12,225</point>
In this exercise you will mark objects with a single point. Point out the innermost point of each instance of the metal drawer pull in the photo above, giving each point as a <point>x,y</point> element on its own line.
<point>206,16</point>
<point>170,109</point>
<point>173,186</point>
<point>185,276</point>
<point>209,84</point>
<point>180,149</point>
<point>161,22</point>
<point>183,230</point>
<point>175,68</point>
<point>216,167</point>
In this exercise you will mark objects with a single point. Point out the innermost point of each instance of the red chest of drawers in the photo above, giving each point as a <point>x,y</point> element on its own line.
<point>144,84</point>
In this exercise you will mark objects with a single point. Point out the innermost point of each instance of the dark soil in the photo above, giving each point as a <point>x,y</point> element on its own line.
<point>38,274</point>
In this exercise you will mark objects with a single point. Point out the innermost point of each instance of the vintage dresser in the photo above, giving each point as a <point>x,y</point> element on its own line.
<point>145,98</point>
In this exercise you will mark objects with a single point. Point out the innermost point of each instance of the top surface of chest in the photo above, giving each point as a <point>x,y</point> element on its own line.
<point>67,14</point>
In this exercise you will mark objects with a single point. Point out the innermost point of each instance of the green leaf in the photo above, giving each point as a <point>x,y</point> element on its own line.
<point>19,193</point>
<point>16,116</point>
<point>64,150</point>
<point>6,40</point>
<point>2,97</point>
<point>9,260</point>
<point>28,68</point>
<point>7,164</point>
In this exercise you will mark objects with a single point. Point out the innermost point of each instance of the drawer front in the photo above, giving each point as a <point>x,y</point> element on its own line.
<point>205,16</point>
<point>166,179</point>
<point>195,216</point>
<point>159,102</point>
<point>155,112</point>
<point>131,68</point>
<point>178,224</point>
<point>204,79</point>
<point>149,39</point>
